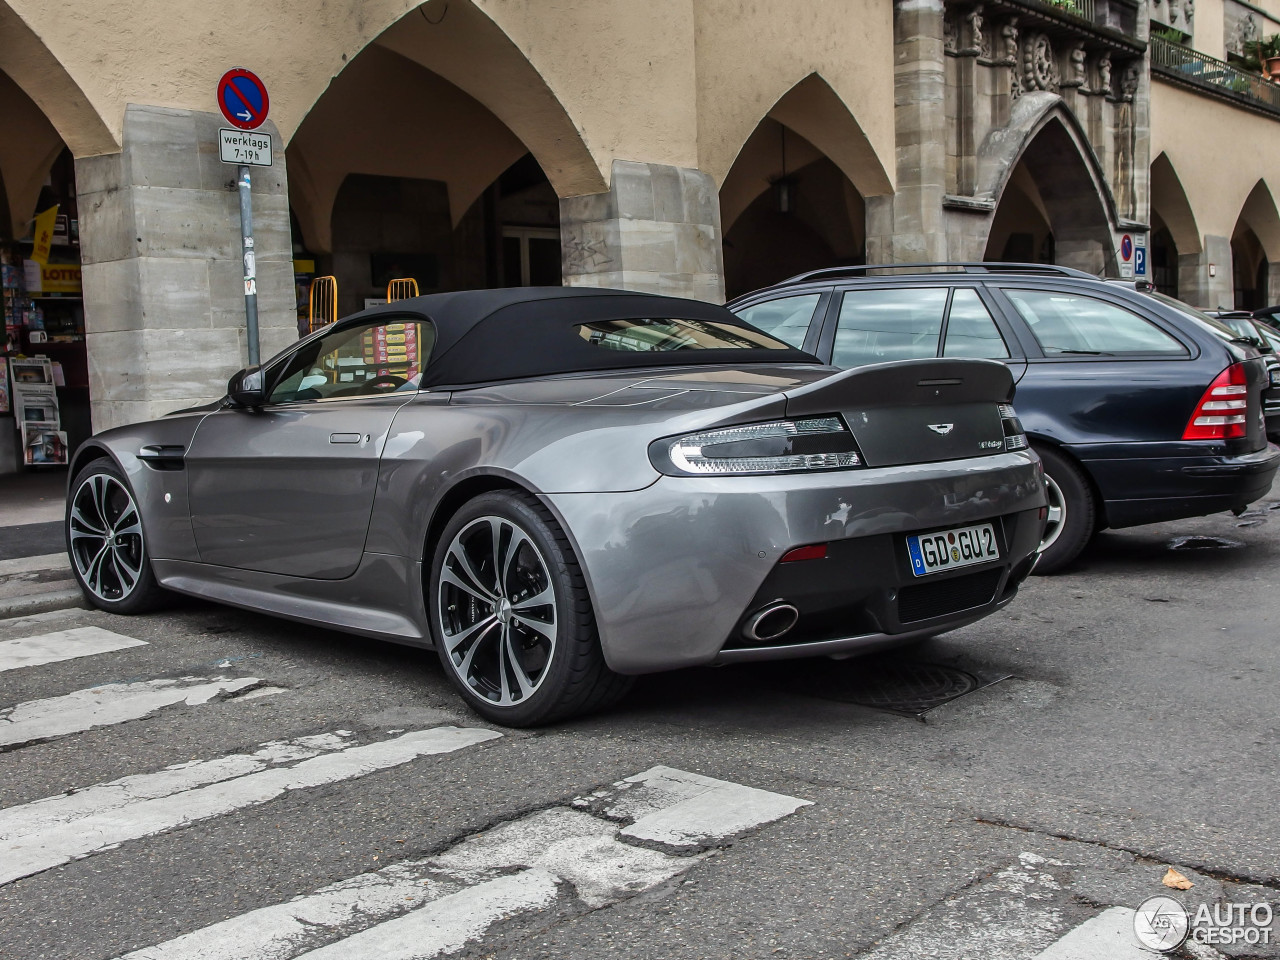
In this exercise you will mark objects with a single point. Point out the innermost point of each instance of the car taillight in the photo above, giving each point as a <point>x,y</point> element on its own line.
<point>1222,413</point>
<point>1015,438</point>
<point>783,446</point>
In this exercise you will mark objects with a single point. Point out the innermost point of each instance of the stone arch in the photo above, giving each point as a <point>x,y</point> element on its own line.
<point>1255,250</point>
<point>33,68</point>
<point>1169,201</point>
<point>27,151</point>
<point>1045,150</point>
<point>815,112</point>
<point>461,43</point>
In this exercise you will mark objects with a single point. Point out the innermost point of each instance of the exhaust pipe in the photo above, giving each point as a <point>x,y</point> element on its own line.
<point>770,622</point>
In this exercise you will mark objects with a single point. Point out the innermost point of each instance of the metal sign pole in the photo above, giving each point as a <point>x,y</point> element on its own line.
<point>250,265</point>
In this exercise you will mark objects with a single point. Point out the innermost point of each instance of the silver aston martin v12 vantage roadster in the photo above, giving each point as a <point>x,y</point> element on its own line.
<point>558,489</point>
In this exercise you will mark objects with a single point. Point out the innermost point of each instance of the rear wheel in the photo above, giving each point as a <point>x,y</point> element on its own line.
<point>107,545</point>
<point>1072,512</point>
<point>511,618</point>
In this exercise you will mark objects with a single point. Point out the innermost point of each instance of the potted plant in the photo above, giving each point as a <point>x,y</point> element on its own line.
<point>1269,56</point>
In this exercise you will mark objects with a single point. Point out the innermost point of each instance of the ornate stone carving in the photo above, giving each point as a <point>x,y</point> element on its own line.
<point>972,41</point>
<point>1130,80</point>
<point>1009,42</point>
<point>1189,13</point>
<point>948,32</point>
<point>1102,70</point>
<point>1076,72</point>
<point>1039,68</point>
<point>1247,32</point>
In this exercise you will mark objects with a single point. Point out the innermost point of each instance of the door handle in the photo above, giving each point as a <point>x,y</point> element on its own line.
<point>345,437</point>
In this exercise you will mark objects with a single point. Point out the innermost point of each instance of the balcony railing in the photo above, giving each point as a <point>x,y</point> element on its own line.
<point>1180,63</point>
<point>1084,9</point>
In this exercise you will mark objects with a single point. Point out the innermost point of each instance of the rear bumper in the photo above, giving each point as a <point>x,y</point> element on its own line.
<point>673,569</point>
<point>1164,487</point>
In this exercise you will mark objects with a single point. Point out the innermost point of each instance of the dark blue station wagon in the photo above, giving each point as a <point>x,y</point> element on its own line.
<point>1139,406</point>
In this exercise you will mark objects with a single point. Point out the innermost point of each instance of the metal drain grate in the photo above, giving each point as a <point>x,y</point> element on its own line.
<point>895,684</point>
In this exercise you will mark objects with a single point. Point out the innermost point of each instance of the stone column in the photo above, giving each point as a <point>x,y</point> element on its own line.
<point>908,226</point>
<point>163,273</point>
<point>1196,287</point>
<point>657,230</point>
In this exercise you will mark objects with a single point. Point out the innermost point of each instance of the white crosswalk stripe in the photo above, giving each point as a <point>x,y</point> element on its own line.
<point>111,703</point>
<point>1108,936</point>
<point>421,909</point>
<point>147,804</point>
<point>61,645</point>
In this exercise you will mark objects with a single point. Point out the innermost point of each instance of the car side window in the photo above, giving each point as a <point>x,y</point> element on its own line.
<point>1066,324</point>
<point>367,360</point>
<point>787,319</point>
<point>879,325</point>
<point>971,332</point>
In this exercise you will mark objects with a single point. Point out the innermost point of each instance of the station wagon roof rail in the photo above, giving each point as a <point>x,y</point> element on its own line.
<point>960,266</point>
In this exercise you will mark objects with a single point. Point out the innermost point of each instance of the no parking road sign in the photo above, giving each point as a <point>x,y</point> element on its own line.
<point>1126,256</point>
<point>242,98</point>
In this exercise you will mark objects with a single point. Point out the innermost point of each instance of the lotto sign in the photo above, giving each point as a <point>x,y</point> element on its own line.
<point>242,98</point>
<point>393,350</point>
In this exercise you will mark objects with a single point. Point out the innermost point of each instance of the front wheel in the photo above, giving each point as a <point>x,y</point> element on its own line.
<point>1072,512</point>
<point>106,542</point>
<point>511,618</point>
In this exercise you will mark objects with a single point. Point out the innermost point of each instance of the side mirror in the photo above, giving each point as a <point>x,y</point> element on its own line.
<point>248,388</point>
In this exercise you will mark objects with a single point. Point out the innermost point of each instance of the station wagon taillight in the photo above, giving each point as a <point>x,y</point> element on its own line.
<point>1223,411</point>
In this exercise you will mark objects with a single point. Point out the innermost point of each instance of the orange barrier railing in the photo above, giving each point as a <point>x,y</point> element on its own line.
<point>322,307</point>
<point>402,289</point>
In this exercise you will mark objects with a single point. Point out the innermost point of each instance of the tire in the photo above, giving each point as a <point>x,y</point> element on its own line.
<point>106,542</point>
<point>1072,512</point>
<point>513,669</point>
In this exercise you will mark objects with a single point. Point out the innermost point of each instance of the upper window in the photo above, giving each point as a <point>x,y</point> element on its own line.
<point>879,325</point>
<point>1069,324</point>
<point>367,360</point>
<point>787,318</point>
<point>666,335</point>
<point>970,330</point>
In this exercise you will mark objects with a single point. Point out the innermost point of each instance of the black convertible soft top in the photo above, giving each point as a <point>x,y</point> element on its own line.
<point>482,336</point>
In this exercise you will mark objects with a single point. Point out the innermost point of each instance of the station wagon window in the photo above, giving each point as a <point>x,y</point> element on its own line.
<point>1068,324</point>
<point>787,318</point>
<point>369,359</point>
<point>879,325</point>
<point>971,332</point>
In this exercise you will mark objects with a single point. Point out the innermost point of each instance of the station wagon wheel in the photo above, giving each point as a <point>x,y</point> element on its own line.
<point>510,615</point>
<point>1072,510</point>
<point>106,542</point>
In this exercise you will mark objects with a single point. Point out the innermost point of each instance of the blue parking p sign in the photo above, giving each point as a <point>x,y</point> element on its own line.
<point>1140,261</point>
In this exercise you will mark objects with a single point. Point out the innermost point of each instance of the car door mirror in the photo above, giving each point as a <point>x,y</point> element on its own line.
<point>248,388</point>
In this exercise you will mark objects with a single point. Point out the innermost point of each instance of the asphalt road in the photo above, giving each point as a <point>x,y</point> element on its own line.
<point>1137,729</point>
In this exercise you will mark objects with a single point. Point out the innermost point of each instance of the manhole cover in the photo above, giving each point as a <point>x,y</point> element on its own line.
<point>1203,543</point>
<point>900,686</point>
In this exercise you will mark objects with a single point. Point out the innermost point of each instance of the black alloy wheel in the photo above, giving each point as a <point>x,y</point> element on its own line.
<point>106,542</point>
<point>511,618</point>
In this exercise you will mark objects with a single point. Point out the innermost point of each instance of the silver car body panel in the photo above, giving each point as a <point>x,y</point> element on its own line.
<point>671,568</point>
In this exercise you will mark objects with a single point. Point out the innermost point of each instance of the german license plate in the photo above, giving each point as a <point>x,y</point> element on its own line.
<point>948,549</point>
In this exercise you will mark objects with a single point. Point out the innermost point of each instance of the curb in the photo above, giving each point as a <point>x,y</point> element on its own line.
<point>41,603</point>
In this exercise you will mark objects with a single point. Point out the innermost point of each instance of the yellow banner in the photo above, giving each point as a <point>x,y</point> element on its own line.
<point>44,234</point>
<point>60,278</point>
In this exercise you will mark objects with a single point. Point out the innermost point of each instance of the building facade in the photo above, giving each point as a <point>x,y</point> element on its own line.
<point>697,147</point>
